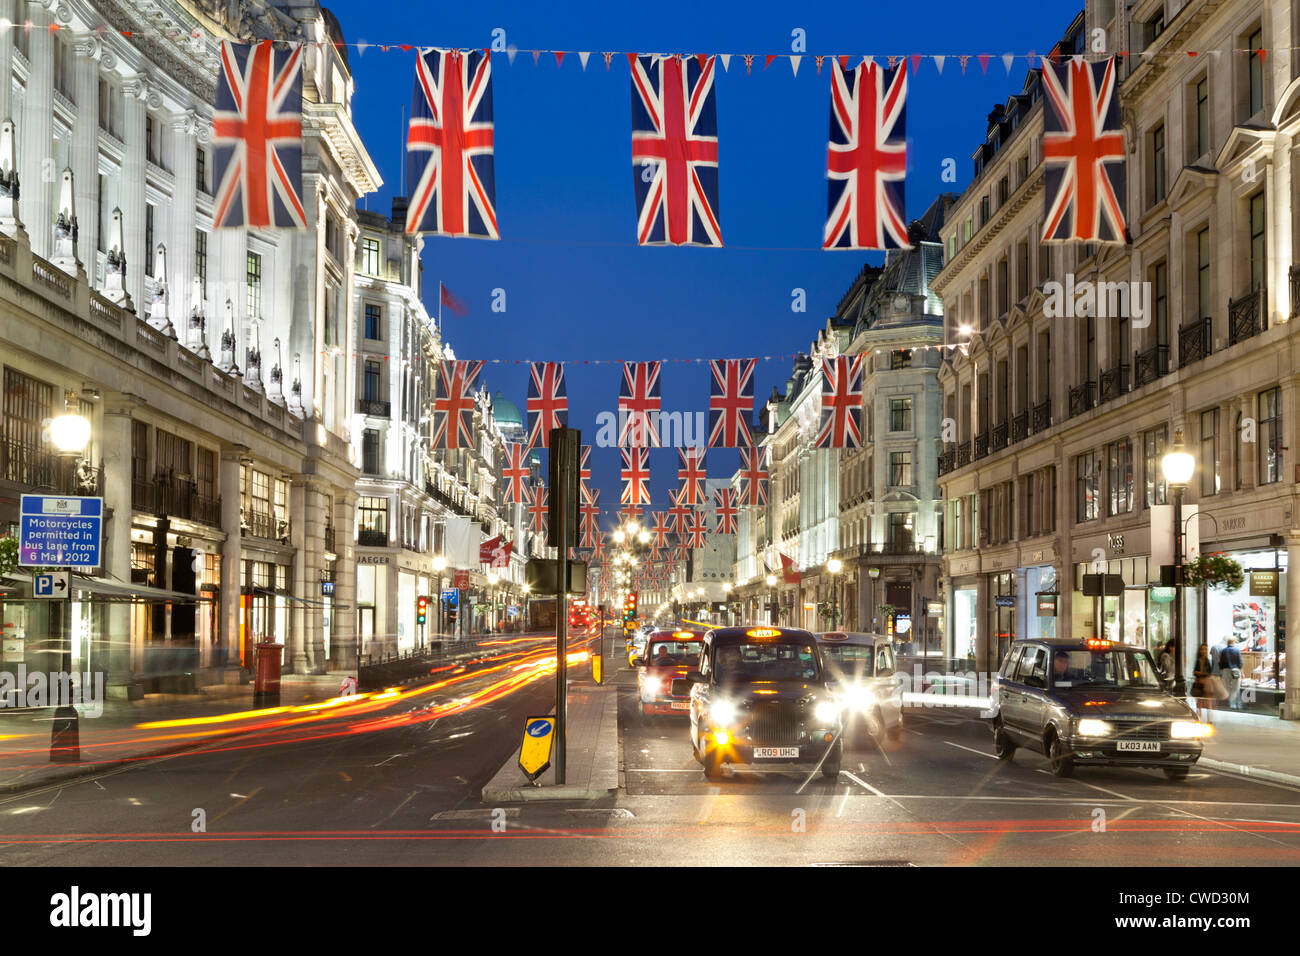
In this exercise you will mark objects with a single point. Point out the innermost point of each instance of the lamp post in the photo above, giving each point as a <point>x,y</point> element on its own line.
<point>527,607</point>
<point>439,565</point>
<point>874,573</point>
<point>492,600</point>
<point>1177,467</point>
<point>834,566</point>
<point>70,433</point>
<point>770,581</point>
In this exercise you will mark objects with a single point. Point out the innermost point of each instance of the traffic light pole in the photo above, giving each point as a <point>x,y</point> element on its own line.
<point>563,453</point>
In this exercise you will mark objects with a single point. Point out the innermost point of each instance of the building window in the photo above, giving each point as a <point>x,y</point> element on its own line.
<point>1160,294</point>
<point>201,169</point>
<point>1157,164</point>
<point>372,514</point>
<point>99,214</point>
<point>1257,250</point>
<point>1203,303</point>
<point>900,414</point>
<point>1239,451</point>
<point>900,531</point>
<point>900,468</point>
<point>1153,449</point>
<point>371,381</point>
<point>1119,456</point>
<point>1201,135</point>
<point>1270,436</point>
<point>149,251</point>
<point>1255,76</point>
<point>254,285</point>
<point>201,259</point>
<point>370,256</point>
<point>374,316</point>
<point>331,235</point>
<point>151,140</point>
<point>1087,476</point>
<point>27,404</point>
<point>1209,458</point>
<point>206,474</point>
<point>370,451</point>
<point>900,358</point>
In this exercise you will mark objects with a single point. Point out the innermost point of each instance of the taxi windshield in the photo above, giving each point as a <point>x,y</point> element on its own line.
<point>850,658</point>
<point>782,661</point>
<point>1112,667</point>
<point>674,652</point>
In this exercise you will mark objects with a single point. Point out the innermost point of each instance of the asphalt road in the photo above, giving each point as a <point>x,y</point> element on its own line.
<point>406,792</point>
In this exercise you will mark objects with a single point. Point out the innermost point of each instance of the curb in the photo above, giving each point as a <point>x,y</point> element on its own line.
<point>538,794</point>
<point>1241,770</point>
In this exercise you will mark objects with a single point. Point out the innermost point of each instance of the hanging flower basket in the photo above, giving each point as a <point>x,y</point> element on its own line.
<point>1213,571</point>
<point>8,554</point>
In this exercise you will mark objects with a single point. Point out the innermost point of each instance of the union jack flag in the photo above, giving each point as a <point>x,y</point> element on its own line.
<point>692,474</point>
<point>675,151</point>
<point>638,405</point>
<point>1083,153</point>
<point>680,553</point>
<point>548,405</point>
<point>589,511</point>
<point>636,477</point>
<point>727,510</point>
<point>753,477</point>
<point>659,531</point>
<point>516,475</point>
<point>699,527</point>
<point>449,159</point>
<point>866,161</point>
<point>453,404</point>
<point>257,133</point>
<point>731,402</point>
<point>539,510</point>
<point>629,512</point>
<point>680,512</point>
<point>584,471</point>
<point>841,403</point>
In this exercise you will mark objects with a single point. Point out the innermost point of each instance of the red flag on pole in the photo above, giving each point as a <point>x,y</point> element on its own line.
<point>450,301</point>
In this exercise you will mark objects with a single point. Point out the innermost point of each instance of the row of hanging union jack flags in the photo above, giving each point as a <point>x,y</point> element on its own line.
<point>257,131</point>
<point>731,404</point>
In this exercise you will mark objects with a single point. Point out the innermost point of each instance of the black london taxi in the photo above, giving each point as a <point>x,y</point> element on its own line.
<point>759,697</point>
<point>1092,702</point>
<point>861,672</point>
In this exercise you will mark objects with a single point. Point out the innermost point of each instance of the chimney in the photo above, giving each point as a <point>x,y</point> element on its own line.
<point>399,210</point>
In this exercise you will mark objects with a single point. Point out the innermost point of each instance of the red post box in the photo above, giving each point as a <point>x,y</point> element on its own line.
<point>266,684</point>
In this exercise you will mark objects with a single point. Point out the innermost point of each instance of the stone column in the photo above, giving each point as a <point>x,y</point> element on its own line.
<point>231,581</point>
<point>136,92</point>
<point>37,162</point>
<point>7,63</point>
<point>343,628</point>
<point>84,156</point>
<point>178,231</point>
<point>307,498</point>
<point>1291,707</point>
<point>116,459</point>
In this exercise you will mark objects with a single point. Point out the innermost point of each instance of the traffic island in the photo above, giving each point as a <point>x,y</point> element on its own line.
<point>592,755</point>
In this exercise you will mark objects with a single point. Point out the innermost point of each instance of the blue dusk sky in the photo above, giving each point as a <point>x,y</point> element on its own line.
<point>577,287</point>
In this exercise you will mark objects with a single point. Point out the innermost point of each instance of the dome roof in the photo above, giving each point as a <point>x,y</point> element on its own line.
<point>505,411</point>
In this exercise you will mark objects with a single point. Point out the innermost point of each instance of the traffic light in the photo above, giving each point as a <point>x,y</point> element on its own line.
<point>629,608</point>
<point>421,609</point>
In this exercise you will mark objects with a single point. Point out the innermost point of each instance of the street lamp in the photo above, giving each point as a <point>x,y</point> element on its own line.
<point>770,581</point>
<point>726,591</point>
<point>1177,466</point>
<point>834,566</point>
<point>874,574</point>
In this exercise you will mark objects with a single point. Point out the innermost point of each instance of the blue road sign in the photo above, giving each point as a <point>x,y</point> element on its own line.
<point>450,597</point>
<point>52,585</point>
<point>60,531</point>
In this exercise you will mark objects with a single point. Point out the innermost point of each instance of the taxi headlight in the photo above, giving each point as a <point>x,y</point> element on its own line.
<point>1094,728</point>
<point>858,698</point>
<point>652,685</point>
<point>1189,729</point>
<point>825,712</point>
<point>722,712</point>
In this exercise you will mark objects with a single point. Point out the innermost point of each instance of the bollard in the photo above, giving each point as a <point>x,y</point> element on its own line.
<point>266,686</point>
<point>65,738</point>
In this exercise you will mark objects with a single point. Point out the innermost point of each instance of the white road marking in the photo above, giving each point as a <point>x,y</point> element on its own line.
<point>982,753</point>
<point>1113,793</point>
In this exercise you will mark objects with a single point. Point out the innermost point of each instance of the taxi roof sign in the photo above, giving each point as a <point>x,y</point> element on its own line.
<point>535,751</point>
<point>763,632</point>
<point>835,636</point>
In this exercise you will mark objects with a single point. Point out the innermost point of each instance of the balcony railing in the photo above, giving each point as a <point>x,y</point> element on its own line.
<point>178,498</point>
<point>981,445</point>
<point>998,437</point>
<point>1194,342</point>
<point>29,464</point>
<point>1246,317</point>
<point>1042,416</point>
<point>375,409</point>
<point>947,461</point>
<point>1114,382</point>
<point>261,524</point>
<point>1082,398</point>
<point>1020,427</point>
<point>1150,365</point>
<point>963,454</point>
<point>372,539</point>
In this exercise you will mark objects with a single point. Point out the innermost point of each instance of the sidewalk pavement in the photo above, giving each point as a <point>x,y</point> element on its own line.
<point>591,765</point>
<point>112,737</point>
<point>1254,745</point>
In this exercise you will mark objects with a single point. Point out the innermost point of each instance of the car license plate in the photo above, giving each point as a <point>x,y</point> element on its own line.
<point>1140,746</point>
<point>680,705</point>
<point>761,752</point>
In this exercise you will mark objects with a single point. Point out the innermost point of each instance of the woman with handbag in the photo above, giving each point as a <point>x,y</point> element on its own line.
<point>1203,683</point>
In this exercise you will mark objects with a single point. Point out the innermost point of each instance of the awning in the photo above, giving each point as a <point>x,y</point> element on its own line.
<point>297,600</point>
<point>111,589</point>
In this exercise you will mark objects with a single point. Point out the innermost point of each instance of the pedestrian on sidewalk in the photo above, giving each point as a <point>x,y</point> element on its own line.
<point>1166,663</point>
<point>1201,674</point>
<point>1230,672</point>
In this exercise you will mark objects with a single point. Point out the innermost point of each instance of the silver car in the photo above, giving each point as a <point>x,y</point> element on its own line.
<point>862,673</point>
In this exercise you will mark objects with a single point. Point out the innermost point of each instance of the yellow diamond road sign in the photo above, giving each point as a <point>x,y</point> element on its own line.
<point>535,752</point>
